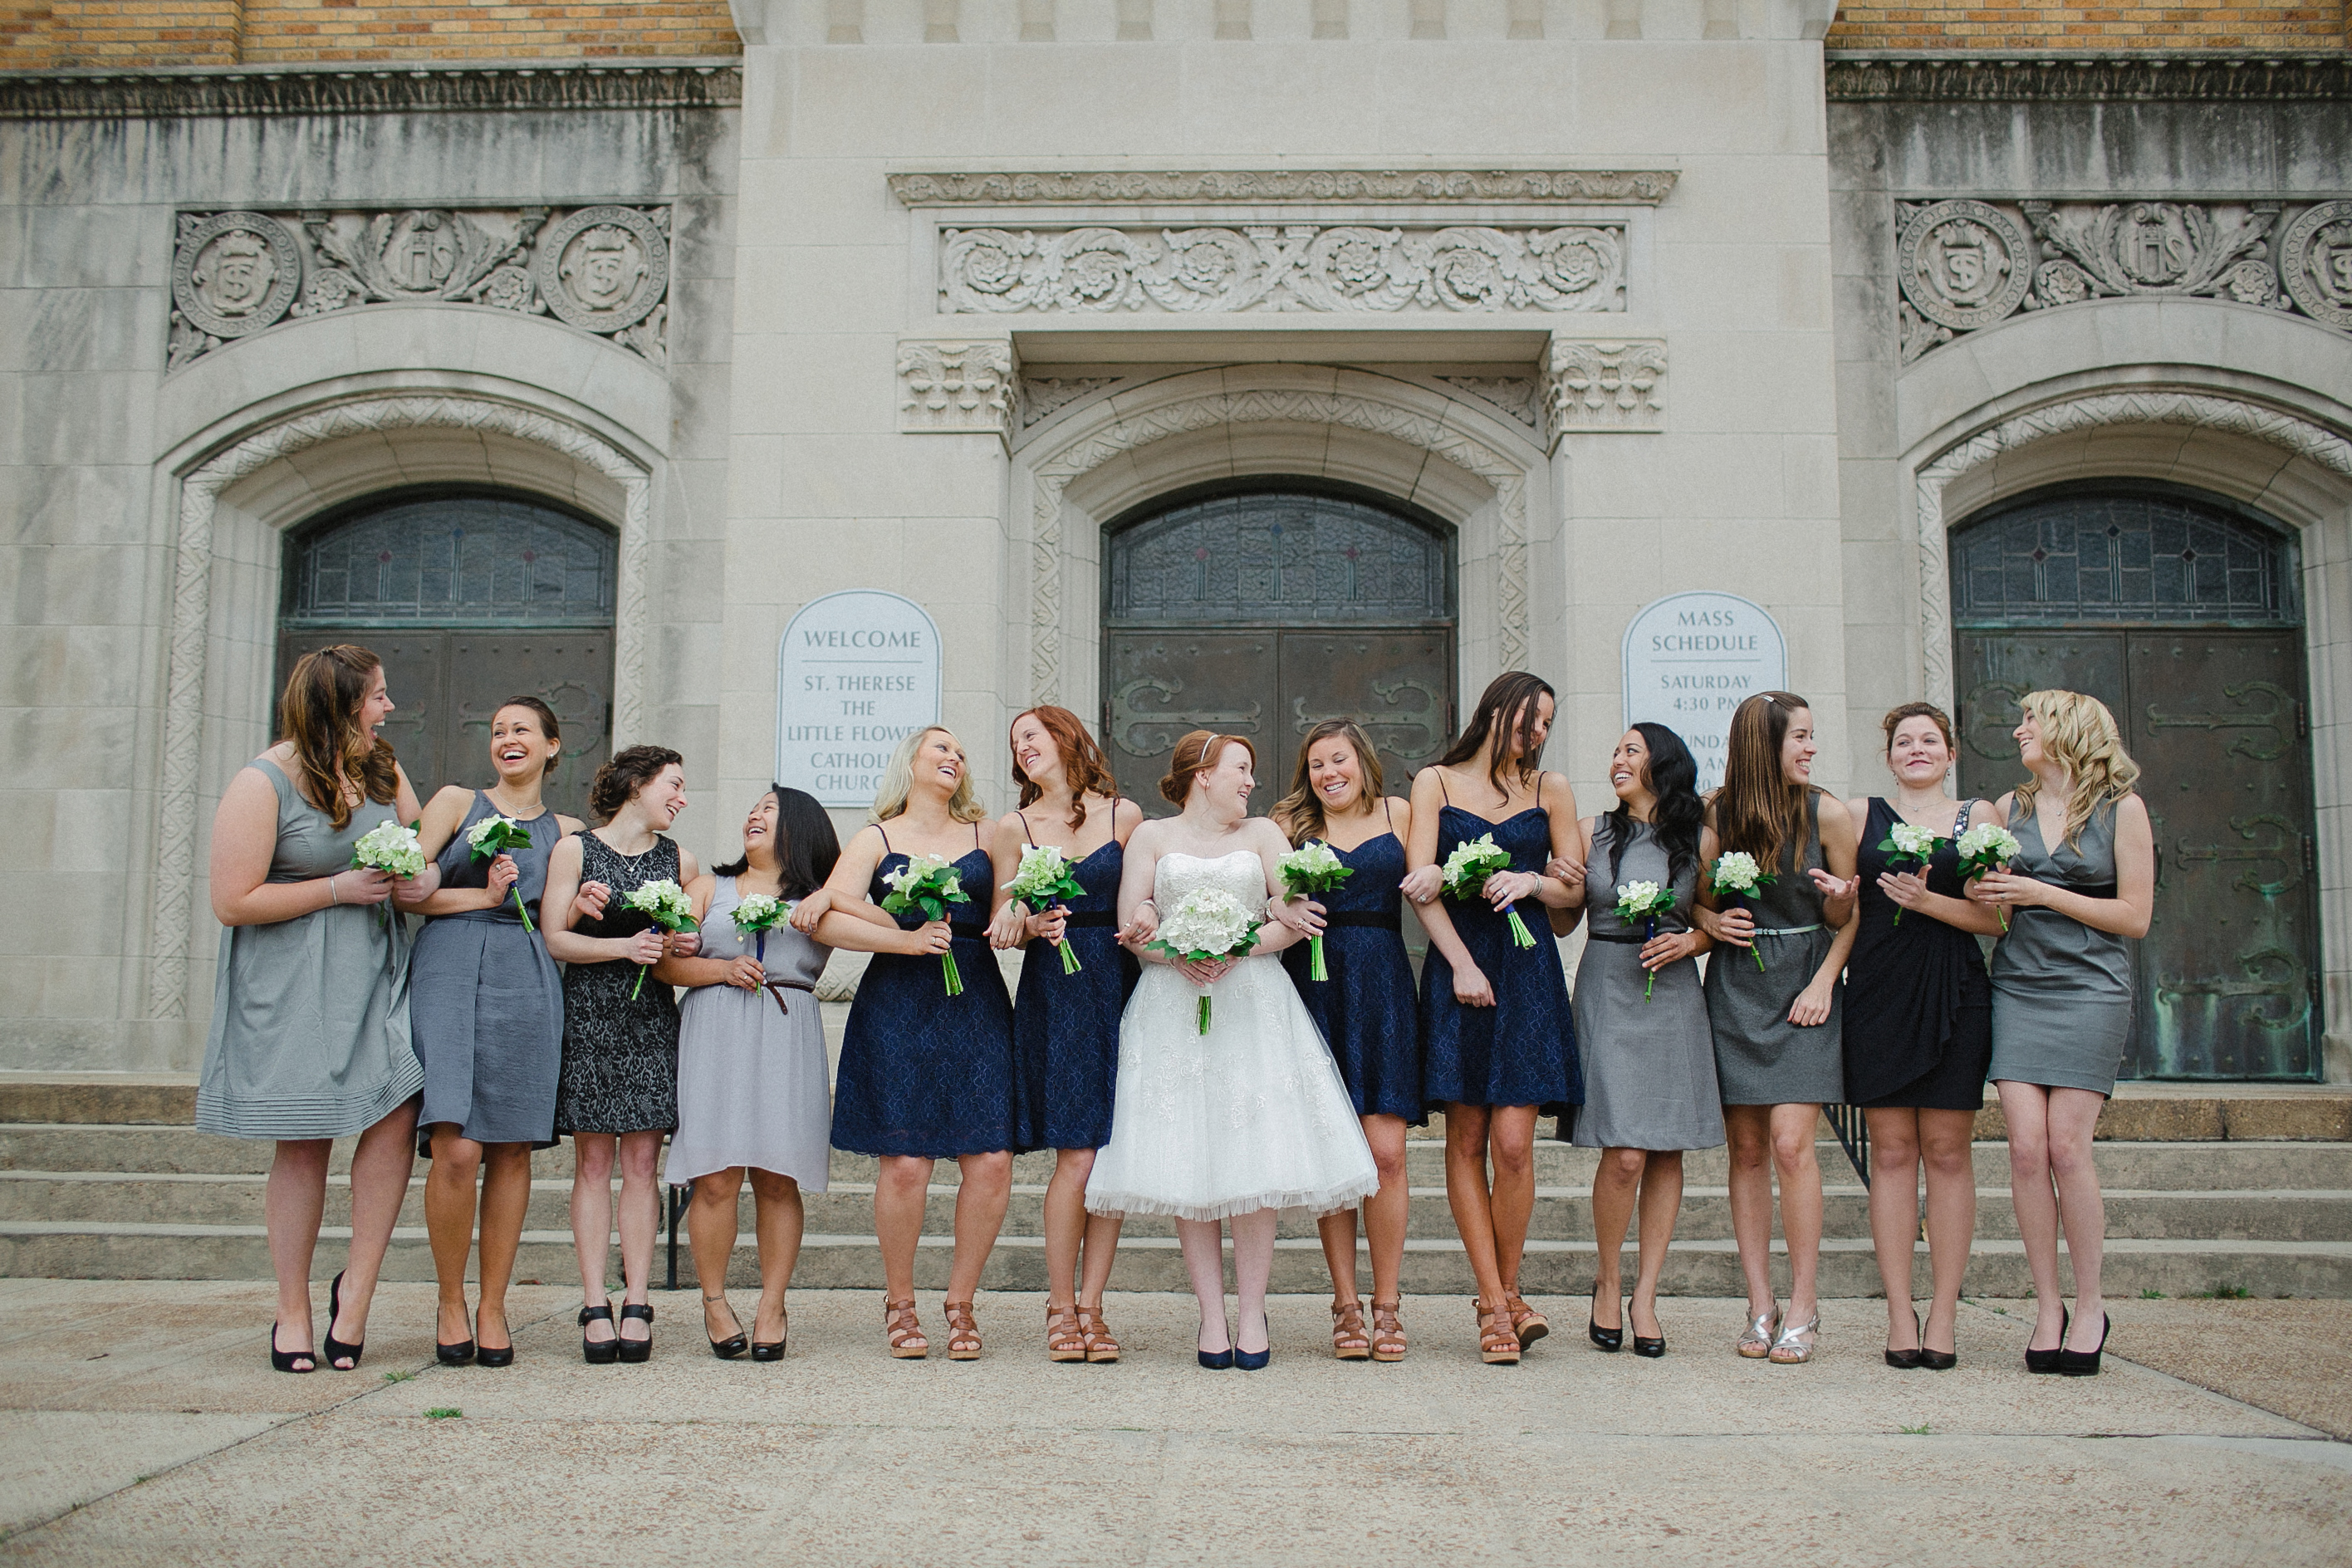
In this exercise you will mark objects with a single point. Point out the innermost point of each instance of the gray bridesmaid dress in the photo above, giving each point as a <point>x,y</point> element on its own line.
<point>309,1032</point>
<point>752,1088</point>
<point>2062,992</point>
<point>1760,1058</point>
<point>486,1002</point>
<point>1649,1062</point>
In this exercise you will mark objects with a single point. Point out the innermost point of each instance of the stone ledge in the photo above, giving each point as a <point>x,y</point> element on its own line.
<point>205,91</point>
<point>2265,75</point>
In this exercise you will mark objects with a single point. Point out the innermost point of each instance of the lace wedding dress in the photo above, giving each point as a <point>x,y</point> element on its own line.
<point>1251,1115</point>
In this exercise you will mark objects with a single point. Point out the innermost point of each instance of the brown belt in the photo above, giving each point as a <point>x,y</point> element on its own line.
<point>777,988</point>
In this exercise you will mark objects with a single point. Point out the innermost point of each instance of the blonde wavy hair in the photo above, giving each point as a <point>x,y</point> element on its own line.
<point>2079,735</point>
<point>899,781</point>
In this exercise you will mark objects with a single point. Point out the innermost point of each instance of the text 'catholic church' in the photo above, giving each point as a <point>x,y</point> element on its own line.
<point>763,381</point>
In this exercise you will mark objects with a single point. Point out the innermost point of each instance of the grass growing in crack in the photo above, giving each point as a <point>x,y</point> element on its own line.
<point>1921,1430</point>
<point>443,1413</point>
<point>2233,1293</point>
<point>398,1376</point>
<point>2151,1295</point>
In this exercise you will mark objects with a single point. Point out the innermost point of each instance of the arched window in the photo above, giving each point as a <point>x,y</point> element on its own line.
<point>2073,555</point>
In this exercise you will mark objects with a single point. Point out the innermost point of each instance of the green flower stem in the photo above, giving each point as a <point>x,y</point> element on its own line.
<point>1070,965</point>
<point>954,978</point>
<point>523,912</point>
<point>1204,1012</point>
<point>1315,969</point>
<point>1519,937</point>
<point>640,985</point>
<point>1649,934</point>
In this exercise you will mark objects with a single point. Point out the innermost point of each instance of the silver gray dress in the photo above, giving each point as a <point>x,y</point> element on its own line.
<point>2062,992</point>
<point>1760,1058</point>
<point>309,1034</point>
<point>486,1002</point>
<point>1649,1062</point>
<point>751,1081</point>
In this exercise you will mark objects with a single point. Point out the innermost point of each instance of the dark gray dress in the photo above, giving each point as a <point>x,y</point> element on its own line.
<point>2062,992</point>
<point>310,1034</point>
<point>1760,1058</point>
<point>1649,1062</point>
<point>486,1002</point>
<point>619,1051</point>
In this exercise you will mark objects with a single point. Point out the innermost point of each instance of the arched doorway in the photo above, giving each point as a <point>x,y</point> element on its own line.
<point>2181,611</point>
<point>1262,610</point>
<point>469,597</point>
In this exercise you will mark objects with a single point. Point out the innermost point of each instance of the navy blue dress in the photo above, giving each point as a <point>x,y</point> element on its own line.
<point>1522,1051</point>
<point>922,1072</point>
<point>1066,1027</point>
<point>1366,1009</point>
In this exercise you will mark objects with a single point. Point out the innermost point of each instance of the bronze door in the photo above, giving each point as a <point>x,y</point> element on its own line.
<point>2226,978</point>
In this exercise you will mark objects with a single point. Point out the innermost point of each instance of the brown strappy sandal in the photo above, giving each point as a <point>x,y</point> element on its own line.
<point>904,1330</point>
<point>1387,1332</point>
<point>1348,1340</point>
<point>1066,1335</point>
<point>1100,1346</point>
<point>1497,1346</point>
<point>963,1333</point>
<point>1526,1324</point>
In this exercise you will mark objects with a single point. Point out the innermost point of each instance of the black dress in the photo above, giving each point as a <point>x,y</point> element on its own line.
<point>620,1056</point>
<point>1918,1006</point>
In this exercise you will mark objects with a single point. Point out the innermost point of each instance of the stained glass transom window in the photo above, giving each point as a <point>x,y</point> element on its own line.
<point>1284,557</point>
<point>2094,557</point>
<point>461,561</point>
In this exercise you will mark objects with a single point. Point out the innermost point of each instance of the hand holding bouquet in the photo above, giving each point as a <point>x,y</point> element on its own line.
<point>1313,867</point>
<point>493,837</point>
<point>1904,842</point>
<point>1737,877</point>
<point>392,850</point>
<point>1465,873</point>
<point>1642,903</point>
<point>671,909</point>
<point>1986,849</point>
<point>1208,925</point>
<point>1044,881</point>
<point>929,883</point>
<point>757,914</point>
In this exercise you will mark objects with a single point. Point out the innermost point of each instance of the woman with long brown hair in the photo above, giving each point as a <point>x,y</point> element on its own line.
<point>2083,892</point>
<point>1778,1049</point>
<point>1065,1021</point>
<point>1364,1007</point>
<point>309,1034</point>
<point>1498,1039</point>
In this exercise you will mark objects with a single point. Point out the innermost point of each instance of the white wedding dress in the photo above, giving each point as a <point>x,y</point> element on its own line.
<point>1251,1115</point>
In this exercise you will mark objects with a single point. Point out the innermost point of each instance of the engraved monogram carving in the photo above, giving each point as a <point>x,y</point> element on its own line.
<point>1293,267</point>
<point>602,268</point>
<point>2315,260</point>
<point>1597,387</point>
<point>956,387</point>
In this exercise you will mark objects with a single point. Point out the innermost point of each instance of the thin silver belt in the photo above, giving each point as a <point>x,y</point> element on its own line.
<point>1786,931</point>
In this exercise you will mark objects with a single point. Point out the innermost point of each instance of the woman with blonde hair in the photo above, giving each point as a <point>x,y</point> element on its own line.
<point>924,1076</point>
<point>2083,890</point>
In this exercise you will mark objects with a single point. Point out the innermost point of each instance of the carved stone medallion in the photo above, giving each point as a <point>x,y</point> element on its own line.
<point>2316,261</point>
<point>602,268</point>
<point>1963,264</point>
<point>235,273</point>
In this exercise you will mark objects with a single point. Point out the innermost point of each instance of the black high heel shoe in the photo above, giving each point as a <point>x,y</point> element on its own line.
<point>483,1354</point>
<point>1643,1345</point>
<point>283,1361</point>
<point>762,1351</point>
<point>2084,1363</point>
<point>2047,1360</point>
<point>1907,1361</point>
<point>457,1354</point>
<point>1609,1340</point>
<point>598,1352</point>
<point>729,1348</point>
<point>635,1350</point>
<point>1941,1361</point>
<point>337,1350</point>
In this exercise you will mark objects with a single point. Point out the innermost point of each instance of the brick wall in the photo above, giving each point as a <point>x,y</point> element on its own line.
<point>49,34</point>
<point>1995,25</point>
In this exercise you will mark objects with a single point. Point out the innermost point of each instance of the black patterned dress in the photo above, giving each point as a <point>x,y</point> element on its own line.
<point>620,1057</point>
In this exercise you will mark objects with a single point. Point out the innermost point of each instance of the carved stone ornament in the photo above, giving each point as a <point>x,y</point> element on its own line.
<point>1521,397</point>
<point>2315,258</point>
<point>602,268</point>
<point>1042,398</point>
<point>1357,186</point>
<point>1294,267</point>
<point>960,386</point>
<point>1599,387</point>
<point>1963,264</point>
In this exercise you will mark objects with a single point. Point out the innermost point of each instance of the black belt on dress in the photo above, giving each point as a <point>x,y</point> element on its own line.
<point>967,932</point>
<point>1088,918</point>
<point>777,988</point>
<point>1636,938</point>
<point>1367,917</point>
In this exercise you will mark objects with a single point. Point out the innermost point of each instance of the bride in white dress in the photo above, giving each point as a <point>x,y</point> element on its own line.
<point>1251,1117</point>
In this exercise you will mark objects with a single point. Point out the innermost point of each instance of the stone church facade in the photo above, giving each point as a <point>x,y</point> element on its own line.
<point>1221,361</point>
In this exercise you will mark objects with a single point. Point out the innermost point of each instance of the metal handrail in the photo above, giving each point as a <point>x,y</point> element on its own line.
<point>1852,1130</point>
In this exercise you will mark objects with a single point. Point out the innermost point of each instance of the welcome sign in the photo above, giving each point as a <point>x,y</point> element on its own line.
<point>1691,660</point>
<point>857,673</point>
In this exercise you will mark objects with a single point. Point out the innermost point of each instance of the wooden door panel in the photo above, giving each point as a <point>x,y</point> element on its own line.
<point>570,671</point>
<point>415,677</point>
<point>1158,685</point>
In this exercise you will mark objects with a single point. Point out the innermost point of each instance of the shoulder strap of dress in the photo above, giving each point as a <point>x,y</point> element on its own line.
<point>1446,795</point>
<point>975,833</point>
<point>1960,823</point>
<point>1539,791</point>
<point>1025,827</point>
<point>1388,813</point>
<point>886,837</point>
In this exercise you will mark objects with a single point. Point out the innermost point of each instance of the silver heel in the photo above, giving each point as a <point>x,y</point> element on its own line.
<point>1757,1341</point>
<point>1788,1350</point>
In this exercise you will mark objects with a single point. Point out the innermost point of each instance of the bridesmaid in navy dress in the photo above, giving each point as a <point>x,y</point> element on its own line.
<point>924,1076</point>
<point>1499,1039</point>
<point>1365,1009</point>
<point>1066,1025</point>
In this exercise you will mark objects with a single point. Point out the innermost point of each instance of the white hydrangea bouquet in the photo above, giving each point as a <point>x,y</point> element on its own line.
<point>1466,871</point>
<point>1044,881</point>
<point>929,883</point>
<point>493,837</point>
<point>1737,877</point>
<point>391,848</point>
<point>757,914</point>
<point>1210,924</point>
<point>671,909</point>
<point>1313,867</point>
<point>1904,842</point>
<point>1642,904</point>
<point>1986,849</point>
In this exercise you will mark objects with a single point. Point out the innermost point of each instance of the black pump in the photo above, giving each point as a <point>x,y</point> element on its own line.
<point>2047,1360</point>
<point>1609,1340</point>
<point>2085,1363</point>
<point>598,1352</point>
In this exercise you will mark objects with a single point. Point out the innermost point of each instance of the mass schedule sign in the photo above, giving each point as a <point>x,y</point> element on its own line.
<point>857,673</point>
<point>1691,660</point>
